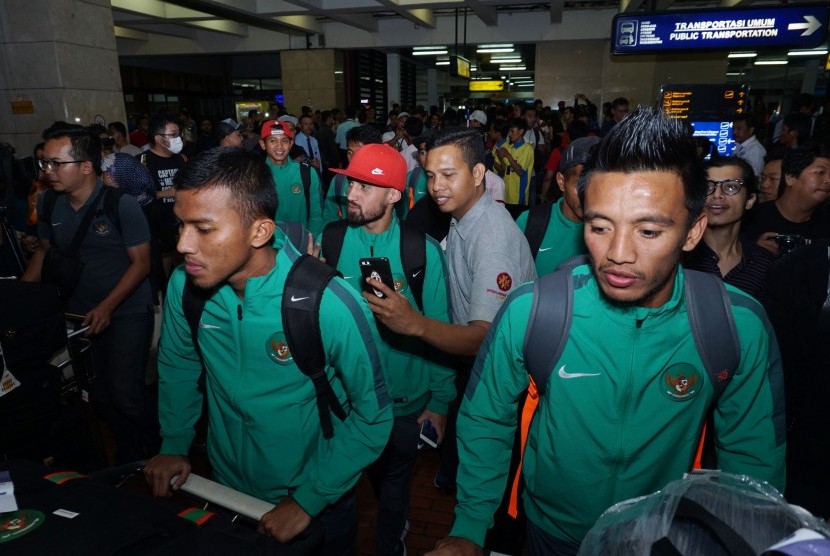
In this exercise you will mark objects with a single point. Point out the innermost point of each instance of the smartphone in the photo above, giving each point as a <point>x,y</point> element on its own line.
<point>428,434</point>
<point>376,268</point>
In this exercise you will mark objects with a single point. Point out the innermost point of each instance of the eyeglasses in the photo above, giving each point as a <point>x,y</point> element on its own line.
<point>729,187</point>
<point>177,134</point>
<point>55,165</point>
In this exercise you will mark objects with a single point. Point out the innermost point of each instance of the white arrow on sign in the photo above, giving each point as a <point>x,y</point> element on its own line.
<point>810,27</point>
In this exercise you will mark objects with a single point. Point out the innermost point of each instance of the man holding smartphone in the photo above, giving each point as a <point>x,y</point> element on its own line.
<point>420,384</point>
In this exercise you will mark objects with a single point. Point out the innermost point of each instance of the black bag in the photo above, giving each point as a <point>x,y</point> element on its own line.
<point>62,267</point>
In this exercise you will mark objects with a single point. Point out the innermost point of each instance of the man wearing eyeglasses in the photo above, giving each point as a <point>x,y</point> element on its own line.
<point>112,291</point>
<point>732,189</point>
<point>163,160</point>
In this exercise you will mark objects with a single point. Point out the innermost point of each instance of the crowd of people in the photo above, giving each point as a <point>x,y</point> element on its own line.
<point>458,263</point>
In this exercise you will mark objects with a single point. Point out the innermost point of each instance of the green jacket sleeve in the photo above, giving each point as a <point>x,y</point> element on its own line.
<point>487,419</point>
<point>350,341</point>
<point>331,204</point>
<point>315,219</point>
<point>180,368</point>
<point>749,418</point>
<point>436,306</point>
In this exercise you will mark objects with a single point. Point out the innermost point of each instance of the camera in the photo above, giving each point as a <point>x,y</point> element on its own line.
<point>789,242</point>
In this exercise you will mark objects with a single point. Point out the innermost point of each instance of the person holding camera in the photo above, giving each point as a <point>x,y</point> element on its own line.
<point>796,217</point>
<point>732,189</point>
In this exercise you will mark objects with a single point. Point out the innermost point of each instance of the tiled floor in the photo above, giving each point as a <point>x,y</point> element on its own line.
<point>430,514</point>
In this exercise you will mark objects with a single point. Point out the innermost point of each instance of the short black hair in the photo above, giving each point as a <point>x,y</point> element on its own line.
<point>469,141</point>
<point>521,123</point>
<point>749,118</point>
<point>747,173</point>
<point>364,134</point>
<point>120,128</point>
<point>157,125</point>
<point>776,152</point>
<point>242,172</point>
<point>85,144</point>
<point>796,160</point>
<point>801,124</point>
<point>648,141</point>
<point>325,115</point>
<point>619,101</point>
<point>413,126</point>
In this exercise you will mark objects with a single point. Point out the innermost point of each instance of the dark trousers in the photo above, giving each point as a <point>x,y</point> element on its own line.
<point>339,524</point>
<point>119,356</point>
<point>540,543</point>
<point>448,450</point>
<point>390,477</point>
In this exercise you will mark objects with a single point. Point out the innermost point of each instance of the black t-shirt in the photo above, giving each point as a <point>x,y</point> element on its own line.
<point>767,218</point>
<point>163,221</point>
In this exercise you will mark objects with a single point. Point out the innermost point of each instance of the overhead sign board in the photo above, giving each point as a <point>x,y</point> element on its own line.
<point>459,66</point>
<point>490,86</point>
<point>709,109</point>
<point>785,27</point>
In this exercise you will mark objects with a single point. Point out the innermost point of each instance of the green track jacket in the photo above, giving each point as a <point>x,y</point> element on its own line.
<point>291,205</point>
<point>264,437</point>
<point>617,420</point>
<point>418,376</point>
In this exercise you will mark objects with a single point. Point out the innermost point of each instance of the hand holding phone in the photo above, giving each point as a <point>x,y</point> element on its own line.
<point>376,268</point>
<point>429,436</point>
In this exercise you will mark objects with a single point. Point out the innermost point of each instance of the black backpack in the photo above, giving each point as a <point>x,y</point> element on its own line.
<point>306,281</point>
<point>537,225</point>
<point>109,205</point>
<point>413,253</point>
<point>548,327</point>
<point>305,176</point>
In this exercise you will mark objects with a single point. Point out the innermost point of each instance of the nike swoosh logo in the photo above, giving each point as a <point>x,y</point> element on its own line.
<point>415,274</point>
<point>56,224</point>
<point>564,374</point>
<point>348,277</point>
<point>543,249</point>
<point>208,326</point>
<point>296,299</point>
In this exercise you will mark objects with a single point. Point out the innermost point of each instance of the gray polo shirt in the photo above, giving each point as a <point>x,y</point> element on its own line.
<point>103,250</point>
<point>488,258</point>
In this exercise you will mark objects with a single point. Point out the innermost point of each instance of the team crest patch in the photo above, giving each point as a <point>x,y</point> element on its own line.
<point>400,283</point>
<point>681,382</point>
<point>101,228</point>
<point>277,349</point>
<point>296,189</point>
<point>504,281</point>
<point>15,524</point>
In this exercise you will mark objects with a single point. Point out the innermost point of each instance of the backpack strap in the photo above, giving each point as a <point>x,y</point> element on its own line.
<point>716,338</point>
<point>112,197</point>
<point>340,185</point>
<point>691,512</point>
<point>193,303</point>
<point>413,258</point>
<point>333,235</point>
<point>548,327</point>
<point>537,224</point>
<point>296,233</point>
<point>304,287</point>
<point>713,327</point>
<point>305,176</point>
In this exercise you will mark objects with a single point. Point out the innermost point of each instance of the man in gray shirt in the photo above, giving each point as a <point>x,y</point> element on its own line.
<point>112,293</point>
<point>488,257</point>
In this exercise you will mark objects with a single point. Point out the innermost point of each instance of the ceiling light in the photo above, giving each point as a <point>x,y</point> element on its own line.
<point>508,61</point>
<point>513,68</point>
<point>742,55</point>
<point>493,50</point>
<point>770,62</point>
<point>509,45</point>
<point>436,47</point>
<point>733,73</point>
<point>524,84</point>
<point>816,52</point>
<point>444,63</point>
<point>429,52</point>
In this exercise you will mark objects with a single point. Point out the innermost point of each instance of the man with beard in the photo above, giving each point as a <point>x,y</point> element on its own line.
<point>628,396</point>
<point>421,385</point>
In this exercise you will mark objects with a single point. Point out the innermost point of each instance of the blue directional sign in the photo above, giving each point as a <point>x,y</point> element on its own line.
<point>788,27</point>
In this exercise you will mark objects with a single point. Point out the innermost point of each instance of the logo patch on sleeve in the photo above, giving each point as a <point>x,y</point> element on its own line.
<point>504,281</point>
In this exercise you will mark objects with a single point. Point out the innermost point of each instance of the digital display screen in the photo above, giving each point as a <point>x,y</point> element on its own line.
<point>719,133</point>
<point>786,26</point>
<point>459,66</point>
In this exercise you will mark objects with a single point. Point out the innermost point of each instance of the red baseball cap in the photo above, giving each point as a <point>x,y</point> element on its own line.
<point>379,165</point>
<point>273,127</point>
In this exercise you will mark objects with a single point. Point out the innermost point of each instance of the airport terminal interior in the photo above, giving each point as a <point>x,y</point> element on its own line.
<point>165,80</point>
